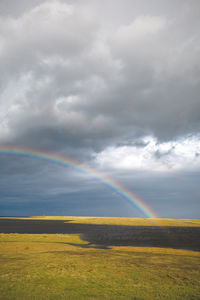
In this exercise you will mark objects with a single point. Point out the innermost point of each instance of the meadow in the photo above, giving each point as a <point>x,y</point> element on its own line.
<point>68,266</point>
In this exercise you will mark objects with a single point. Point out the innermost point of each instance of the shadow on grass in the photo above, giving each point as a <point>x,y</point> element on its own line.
<point>105,236</point>
<point>89,245</point>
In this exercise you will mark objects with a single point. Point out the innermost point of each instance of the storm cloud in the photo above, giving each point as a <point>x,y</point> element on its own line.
<point>114,84</point>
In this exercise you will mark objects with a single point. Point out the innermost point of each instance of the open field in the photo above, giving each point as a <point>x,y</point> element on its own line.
<point>106,232</point>
<point>99,258</point>
<point>117,221</point>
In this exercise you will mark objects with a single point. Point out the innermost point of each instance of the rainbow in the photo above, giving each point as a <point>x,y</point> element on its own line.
<point>68,162</point>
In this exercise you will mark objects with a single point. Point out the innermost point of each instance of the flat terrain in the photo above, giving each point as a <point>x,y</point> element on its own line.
<point>99,258</point>
<point>119,234</point>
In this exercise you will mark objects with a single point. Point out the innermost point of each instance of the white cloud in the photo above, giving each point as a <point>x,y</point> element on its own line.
<point>177,155</point>
<point>142,27</point>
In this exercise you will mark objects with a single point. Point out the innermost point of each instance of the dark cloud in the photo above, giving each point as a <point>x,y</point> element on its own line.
<point>143,78</point>
<point>78,77</point>
<point>159,154</point>
<point>134,143</point>
<point>10,8</point>
<point>172,195</point>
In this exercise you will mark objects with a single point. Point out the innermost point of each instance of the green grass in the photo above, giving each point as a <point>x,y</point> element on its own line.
<point>47,266</point>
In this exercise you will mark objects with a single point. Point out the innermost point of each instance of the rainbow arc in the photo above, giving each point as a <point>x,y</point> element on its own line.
<point>68,162</point>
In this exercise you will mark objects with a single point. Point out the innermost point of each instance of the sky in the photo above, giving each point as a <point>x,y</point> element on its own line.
<point>111,84</point>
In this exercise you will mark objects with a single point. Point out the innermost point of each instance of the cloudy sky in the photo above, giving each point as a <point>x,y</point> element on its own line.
<point>114,84</point>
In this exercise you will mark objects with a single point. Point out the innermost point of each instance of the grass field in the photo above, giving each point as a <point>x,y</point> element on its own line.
<point>63,266</point>
<point>120,221</point>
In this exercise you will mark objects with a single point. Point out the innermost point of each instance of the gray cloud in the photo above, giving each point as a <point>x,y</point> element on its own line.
<point>78,77</point>
<point>143,77</point>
